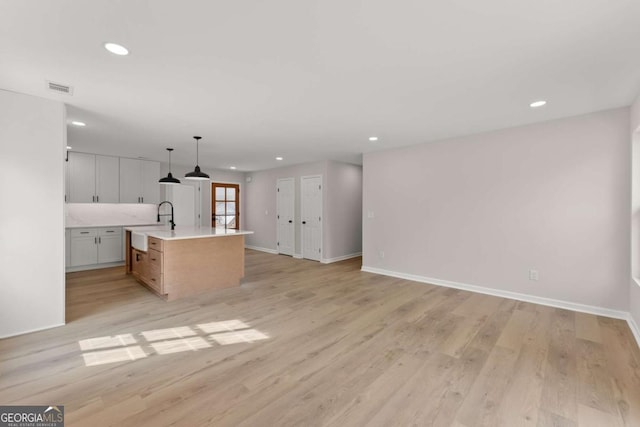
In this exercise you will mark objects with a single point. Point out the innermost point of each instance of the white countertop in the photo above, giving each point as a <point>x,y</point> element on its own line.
<point>78,224</point>
<point>185,232</point>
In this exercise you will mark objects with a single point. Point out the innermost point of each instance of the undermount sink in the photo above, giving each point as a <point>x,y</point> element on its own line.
<point>139,241</point>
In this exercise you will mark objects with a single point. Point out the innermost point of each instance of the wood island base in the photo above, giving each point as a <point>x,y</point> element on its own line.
<point>184,267</point>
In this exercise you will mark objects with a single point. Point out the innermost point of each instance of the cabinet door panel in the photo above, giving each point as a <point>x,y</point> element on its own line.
<point>82,178</point>
<point>138,263</point>
<point>84,251</point>
<point>67,248</point>
<point>107,179</point>
<point>130,181</point>
<point>150,185</point>
<point>110,249</point>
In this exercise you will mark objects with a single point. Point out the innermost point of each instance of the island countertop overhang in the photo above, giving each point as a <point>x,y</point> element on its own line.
<point>164,232</point>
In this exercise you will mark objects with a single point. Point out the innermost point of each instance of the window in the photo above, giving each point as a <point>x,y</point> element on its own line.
<point>225,201</point>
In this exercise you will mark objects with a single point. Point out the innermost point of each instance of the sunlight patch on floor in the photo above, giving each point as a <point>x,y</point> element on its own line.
<point>126,347</point>
<point>176,346</point>
<point>106,342</point>
<point>114,355</point>
<point>167,334</point>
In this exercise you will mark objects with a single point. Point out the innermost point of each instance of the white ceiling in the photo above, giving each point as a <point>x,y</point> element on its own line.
<point>311,80</point>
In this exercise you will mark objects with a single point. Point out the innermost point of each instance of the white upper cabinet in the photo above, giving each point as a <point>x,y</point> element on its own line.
<point>150,184</point>
<point>130,181</point>
<point>107,178</point>
<point>139,181</point>
<point>82,178</point>
<point>93,178</point>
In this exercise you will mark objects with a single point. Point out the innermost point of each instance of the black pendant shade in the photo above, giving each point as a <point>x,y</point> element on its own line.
<point>169,179</point>
<point>197,174</point>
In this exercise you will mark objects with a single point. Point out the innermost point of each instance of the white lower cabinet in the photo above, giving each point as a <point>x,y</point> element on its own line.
<point>91,246</point>
<point>110,245</point>
<point>67,248</point>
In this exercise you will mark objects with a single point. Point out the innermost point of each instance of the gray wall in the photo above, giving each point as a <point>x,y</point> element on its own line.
<point>32,284</point>
<point>261,198</point>
<point>483,210</point>
<point>634,286</point>
<point>216,175</point>
<point>342,207</point>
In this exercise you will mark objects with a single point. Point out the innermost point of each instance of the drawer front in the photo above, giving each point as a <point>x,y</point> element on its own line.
<point>115,231</point>
<point>155,259</point>
<point>154,279</point>
<point>84,232</point>
<point>155,243</point>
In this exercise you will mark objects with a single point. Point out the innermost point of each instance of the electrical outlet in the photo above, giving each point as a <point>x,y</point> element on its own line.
<point>381,254</point>
<point>533,274</point>
<point>371,214</point>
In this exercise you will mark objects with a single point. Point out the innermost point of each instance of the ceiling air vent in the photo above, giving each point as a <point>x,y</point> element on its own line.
<point>59,88</point>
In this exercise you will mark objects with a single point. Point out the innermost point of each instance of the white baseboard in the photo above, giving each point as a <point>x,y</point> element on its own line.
<point>340,258</point>
<point>297,256</point>
<point>32,330</point>
<point>93,266</point>
<point>583,308</point>
<point>258,248</point>
<point>634,328</point>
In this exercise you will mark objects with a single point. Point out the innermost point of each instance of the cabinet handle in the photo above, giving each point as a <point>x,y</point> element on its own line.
<point>93,198</point>
<point>110,231</point>
<point>142,198</point>
<point>137,257</point>
<point>153,280</point>
<point>95,240</point>
<point>100,240</point>
<point>153,259</point>
<point>84,232</point>
<point>97,198</point>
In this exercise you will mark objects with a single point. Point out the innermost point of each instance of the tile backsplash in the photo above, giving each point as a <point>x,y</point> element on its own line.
<point>109,214</point>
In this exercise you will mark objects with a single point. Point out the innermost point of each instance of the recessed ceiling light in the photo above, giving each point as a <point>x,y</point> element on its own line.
<point>76,123</point>
<point>537,104</point>
<point>373,138</point>
<point>232,167</point>
<point>68,147</point>
<point>116,49</point>
<point>279,158</point>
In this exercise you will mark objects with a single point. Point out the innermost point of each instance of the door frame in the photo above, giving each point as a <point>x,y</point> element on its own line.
<point>293,202</point>
<point>302,178</point>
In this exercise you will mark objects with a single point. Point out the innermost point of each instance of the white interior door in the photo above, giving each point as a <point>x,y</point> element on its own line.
<point>312,217</point>
<point>285,198</point>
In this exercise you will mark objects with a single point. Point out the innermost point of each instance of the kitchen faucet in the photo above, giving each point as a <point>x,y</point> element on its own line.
<point>173,224</point>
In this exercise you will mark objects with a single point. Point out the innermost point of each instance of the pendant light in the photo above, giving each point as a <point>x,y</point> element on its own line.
<point>169,179</point>
<point>197,175</point>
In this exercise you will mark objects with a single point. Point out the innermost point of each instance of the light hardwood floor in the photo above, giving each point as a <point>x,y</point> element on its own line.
<point>305,344</point>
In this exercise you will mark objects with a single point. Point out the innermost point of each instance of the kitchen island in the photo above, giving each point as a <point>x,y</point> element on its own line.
<point>185,261</point>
